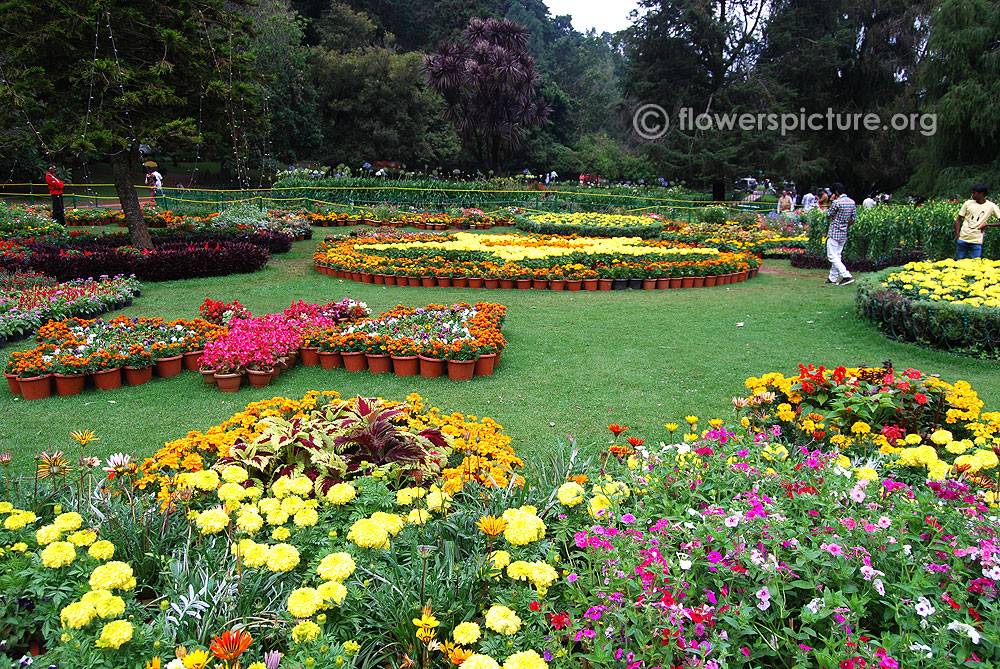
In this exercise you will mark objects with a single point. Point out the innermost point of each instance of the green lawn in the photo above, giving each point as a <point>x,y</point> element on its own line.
<point>574,363</point>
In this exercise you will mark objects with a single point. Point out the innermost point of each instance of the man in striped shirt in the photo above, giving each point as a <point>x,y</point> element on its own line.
<point>841,214</point>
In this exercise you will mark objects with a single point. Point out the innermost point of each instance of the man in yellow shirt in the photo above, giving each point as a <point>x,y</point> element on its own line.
<point>972,219</point>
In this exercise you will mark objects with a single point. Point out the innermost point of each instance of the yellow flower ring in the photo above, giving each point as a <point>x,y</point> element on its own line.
<point>539,261</point>
<point>948,304</point>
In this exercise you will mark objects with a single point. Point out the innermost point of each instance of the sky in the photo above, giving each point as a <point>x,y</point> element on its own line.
<point>609,15</point>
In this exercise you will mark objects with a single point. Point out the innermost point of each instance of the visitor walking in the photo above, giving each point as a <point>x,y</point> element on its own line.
<point>824,198</point>
<point>972,219</point>
<point>809,201</point>
<point>785,204</point>
<point>56,186</point>
<point>842,213</point>
<point>868,202</point>
<point>155,180</point>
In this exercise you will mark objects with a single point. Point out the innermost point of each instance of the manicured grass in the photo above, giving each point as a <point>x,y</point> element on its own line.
<point>574,363</point>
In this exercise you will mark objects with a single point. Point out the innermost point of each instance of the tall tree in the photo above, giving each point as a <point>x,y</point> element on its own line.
<point>960,83</point>
<point>490,87</point>
<point>102,77</point>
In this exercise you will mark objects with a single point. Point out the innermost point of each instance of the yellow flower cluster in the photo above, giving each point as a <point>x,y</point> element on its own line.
<point>570,494</point>
<point>502,620</point>
<point>590,219</point>
<point>375,531</point>
<point>523,526</point>
<point>541,574</point>
<point>466,633</point>
<point>972,282</point>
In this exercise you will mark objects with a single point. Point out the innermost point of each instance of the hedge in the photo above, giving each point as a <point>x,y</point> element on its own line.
<point>958,328</point>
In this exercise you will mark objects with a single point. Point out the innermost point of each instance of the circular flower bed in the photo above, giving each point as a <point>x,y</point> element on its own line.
<point>593,225</point>
<point>950,304</point>
<point>364,532</point>
<point>529,261</point>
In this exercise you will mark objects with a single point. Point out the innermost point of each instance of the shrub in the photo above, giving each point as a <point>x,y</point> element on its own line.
<point>713,215</point>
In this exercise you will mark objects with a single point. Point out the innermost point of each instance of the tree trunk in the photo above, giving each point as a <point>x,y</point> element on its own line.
<point>123,166</point>
<point>719,190</point>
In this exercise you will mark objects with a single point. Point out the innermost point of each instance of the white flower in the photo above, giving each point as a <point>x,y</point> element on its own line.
<point>924,608</point>
<point>732,521</point>
<point>175,664</point>
<point>907,549</point>
<point>992,573</point>
<point>919,648</point>
<point>879,586</point>
<point>965,629</point>
<point>685,564</point>
<point>815,605</point>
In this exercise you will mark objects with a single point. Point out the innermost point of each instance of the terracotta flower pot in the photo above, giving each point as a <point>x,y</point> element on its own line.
<point>710,281</point>
<point>428,282</point>
<point>69,384</point>
<point>590,284</point>
<point>676,281</point>
<point>507,283</point>
<point>492,284</point>
<point>330,359</point>
<point>461,370</point>
<point>192,360</point>
<point>413,281</point>
<point>309,355</point>
<point>699,281</point>
<point>208,376</point>
<point>354,361</point>
<point>379,364</point>
<point>12,383</point>
<point>406,365</point>
<point>604,284</point>
<point>460,281</point>
<point>111,379</point>
<point>539,284</point>
<point>167,368</point>
<point>475,282</point>
<point>259,378</point>
<point>649,284</point>
<point>36,387</point>
<point>485,364</point>
<point>390,280</point>
<point>557,284</point>
<point>742,276</point>
<point>431,368</point>
<point>380,279</point>
<point>136,376</point>
<point>574,285</point>
<point>522,284</point>
<point>686,282</point>
<point>662,284</point>
<point>444,281</point>
<point>228,383</point>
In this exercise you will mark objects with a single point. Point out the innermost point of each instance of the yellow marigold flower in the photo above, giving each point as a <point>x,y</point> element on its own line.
<point>541,574</point>
<point>305,631</point>
<point>570,494</point>
<point>938,471</point>
<point>47,534</point>
<point>499,559</point>
<point>336,567</point>
<point>466,633</point>
<point>248,520</point>
<point>115,634</point>
<point>19,547</point>
<point>82,538</point>
<point>502,620</point>
<point>282,557</point>
<point>306,517</point>
<point>341,493</point>
<point>234,474</point>
<point>67,522</point>
<point>281,534</point>
<point>369,533</point>
<point>351,647</point>
<point>527,659</point>
<point>861,427</point>
<point>277,517</point>
<point>958,447</point>
<point>254,555</point>
<point>6,507</point>
<point>941,437</point>
<point>212,521</point>
<point>866,473</point>
<point>523,526</point>
<point>113,575</point>
<point>332,591</point>
<point>58,554</point>
<point>437,500</point>
<point>392,522</point>
<point>418,517</point>
<point>912,439</point>
<point>292,504</point>
<point>104,603</point>
<point>304,602</point>
<point>231,492</point>
<point>408,496</point>
<point>269,505</point>
<point>598,504</point>
<point>77,615</point>
<point>102,550</point>
<point>478,661</point>
<point>491,526</point>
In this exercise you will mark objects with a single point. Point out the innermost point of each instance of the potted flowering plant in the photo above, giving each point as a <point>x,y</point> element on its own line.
<point>461,356</point>
<point>404,354</point>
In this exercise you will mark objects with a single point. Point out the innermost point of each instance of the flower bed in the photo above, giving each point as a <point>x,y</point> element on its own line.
<point>17,221</point>
<point>592,225</point>
<point>74,353</point>
<point>236,219</point>
<point>469,218</point>
<point>529,261</point>
<point>167,260</point>
<point>730,236</point>
<point>746,545</point>
<point>24,308</point>
<point>460,340</point>
<point>951,304</point>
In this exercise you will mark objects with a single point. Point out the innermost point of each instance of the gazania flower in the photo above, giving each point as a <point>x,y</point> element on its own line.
<point>118,464</point>
<point>6,458</point>
<point>636,441</point>
<point>617,429</point>
<point>458,655</point>
<point>153,663</point>
<point>230,644</point>
<point>491,526</point>
<point>84,437</point>
<point>55,465</point>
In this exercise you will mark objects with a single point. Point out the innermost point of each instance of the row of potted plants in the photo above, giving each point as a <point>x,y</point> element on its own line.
<point>73,354</point>
<point>460,340</point>
<point>464,219</point>
<point>26,305</point>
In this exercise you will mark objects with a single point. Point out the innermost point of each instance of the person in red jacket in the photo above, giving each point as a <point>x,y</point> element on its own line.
<point>56,191</point>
